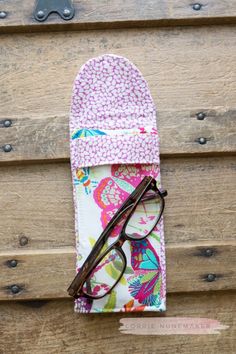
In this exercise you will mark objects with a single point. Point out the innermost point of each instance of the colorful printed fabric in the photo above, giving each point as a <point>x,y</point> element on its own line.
<point>114,143</point>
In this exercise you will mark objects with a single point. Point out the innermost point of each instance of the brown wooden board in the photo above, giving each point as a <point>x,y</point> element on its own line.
<point>52,327</point>
<point>188,71</point>
<point>48,273</point>
<point>110,14</point>
<point>37,203</point>
<point>47,138</point>
<point>39,207</point>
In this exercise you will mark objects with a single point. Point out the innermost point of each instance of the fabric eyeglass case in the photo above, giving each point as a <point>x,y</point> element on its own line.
<point>114,143</point>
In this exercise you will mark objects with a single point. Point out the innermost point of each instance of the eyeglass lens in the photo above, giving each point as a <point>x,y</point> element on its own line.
<point>145,216</point>
<point>105,275</point>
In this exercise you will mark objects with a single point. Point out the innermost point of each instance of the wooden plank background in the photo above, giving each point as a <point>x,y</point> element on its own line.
<point>91,14</point>
<point>46,138</point>
<point>37,203</point>
<point>189,69</point>
<point>41,199</point>
<point>187,270</point>
<point>52,327</point>
<point>187,74</point>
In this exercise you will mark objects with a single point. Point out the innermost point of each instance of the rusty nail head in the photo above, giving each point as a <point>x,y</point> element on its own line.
<point>197,6</point>
<point>3,14</point>
<point>211,277</point>
<point>201,115</point>
<point>13,263</point>
<point>202,141</point>
<point>7,148</point>
<point>24,240</point>
<point>40,14</point>
<point>15,289</point>
<point>66,12</point>
<point>209,252</point>
<point>7,123</point>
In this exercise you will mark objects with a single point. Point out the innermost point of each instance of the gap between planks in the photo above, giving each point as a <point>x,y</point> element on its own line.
<point>92,14</point>
<point>45,274</point>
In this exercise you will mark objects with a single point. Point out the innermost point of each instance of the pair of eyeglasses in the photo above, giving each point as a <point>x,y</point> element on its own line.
<point>141,211</point>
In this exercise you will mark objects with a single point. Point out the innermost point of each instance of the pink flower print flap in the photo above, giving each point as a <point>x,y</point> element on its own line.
<point>113,117</point>
<point>114,143</point>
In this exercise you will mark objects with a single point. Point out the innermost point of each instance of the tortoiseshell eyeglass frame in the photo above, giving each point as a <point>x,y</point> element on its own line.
<point>148,183</point>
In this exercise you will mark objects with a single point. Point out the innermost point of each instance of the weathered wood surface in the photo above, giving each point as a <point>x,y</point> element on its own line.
<point>48,273</point>
<point>52,327</point>
<point>47,138</point>
<point>109,14</point>
<point>187,71</point>
<point>36,202</point>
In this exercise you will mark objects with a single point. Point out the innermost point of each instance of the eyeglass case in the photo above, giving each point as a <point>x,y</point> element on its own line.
<point>114,143</point>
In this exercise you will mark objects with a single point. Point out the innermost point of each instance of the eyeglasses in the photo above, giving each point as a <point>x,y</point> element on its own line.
<point>142,211</point>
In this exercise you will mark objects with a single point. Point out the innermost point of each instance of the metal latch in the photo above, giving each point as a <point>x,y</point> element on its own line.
<point>63,8</point>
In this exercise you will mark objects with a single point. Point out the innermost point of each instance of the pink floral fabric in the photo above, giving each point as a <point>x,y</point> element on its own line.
<point>102,150</point>
<point>110,93</point>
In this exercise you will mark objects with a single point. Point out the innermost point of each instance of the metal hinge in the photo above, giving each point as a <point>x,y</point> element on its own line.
<point>63,8</point>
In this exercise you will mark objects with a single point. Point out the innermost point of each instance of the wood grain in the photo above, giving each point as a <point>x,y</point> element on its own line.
<point>47,138</point>
<point>42,327</point>
<point>189,70</point>
<point>187,270</point>
<point>188,73</point>
<point>36,202</point>
<point>185,69</point>
<point>108,14</point>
